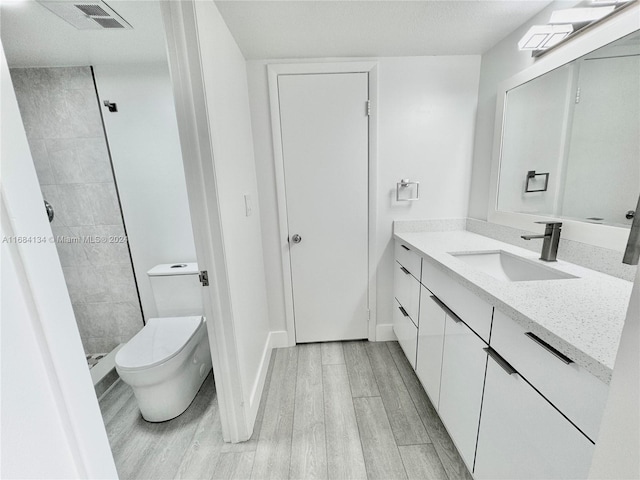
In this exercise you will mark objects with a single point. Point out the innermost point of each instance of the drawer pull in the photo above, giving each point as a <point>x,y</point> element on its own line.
<point>500,361</point>
<point>405,247</point>
<point>446,309</point>
<point>404,312</point>
<point>549,348</point>
<point>407,272</point>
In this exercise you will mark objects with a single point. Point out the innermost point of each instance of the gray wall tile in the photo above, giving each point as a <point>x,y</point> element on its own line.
<point>60,111</point>
<point>104,203</point>
<point>41,161</point>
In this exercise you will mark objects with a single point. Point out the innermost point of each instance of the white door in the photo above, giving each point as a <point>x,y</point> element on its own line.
<point>325,138</point>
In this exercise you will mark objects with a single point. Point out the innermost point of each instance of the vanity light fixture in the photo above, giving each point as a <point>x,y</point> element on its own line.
<point>541,37</point>
<point>580,15</point>
<point>609,2</point>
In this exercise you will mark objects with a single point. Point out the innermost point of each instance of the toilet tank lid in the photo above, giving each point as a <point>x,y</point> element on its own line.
<point>169,269</point>
<point>159,340</point>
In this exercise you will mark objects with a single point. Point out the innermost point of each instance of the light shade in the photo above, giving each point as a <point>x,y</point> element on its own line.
<point>541,37</point>
<point>580,15</point>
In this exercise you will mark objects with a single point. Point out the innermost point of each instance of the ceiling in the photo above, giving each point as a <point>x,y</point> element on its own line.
<point>32,36</point>
<point>298,29</point>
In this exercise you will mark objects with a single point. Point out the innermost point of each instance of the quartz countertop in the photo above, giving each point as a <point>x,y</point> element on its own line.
<point>581,317</point>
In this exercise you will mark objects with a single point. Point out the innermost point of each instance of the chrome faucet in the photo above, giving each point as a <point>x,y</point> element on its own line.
<point>551,240</point>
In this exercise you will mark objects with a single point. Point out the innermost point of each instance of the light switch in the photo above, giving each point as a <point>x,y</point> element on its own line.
<point>247,205</point>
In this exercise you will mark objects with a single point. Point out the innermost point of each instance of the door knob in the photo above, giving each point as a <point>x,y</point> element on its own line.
<point>296,238</point>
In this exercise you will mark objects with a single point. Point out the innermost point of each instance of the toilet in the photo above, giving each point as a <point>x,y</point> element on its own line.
<point>167,361</point>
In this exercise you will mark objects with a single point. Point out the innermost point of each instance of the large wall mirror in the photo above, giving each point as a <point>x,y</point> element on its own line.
<point>569,145</point>
<point>571,139</point>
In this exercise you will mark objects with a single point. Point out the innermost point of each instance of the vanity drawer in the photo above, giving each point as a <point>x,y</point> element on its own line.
<point>406,333</point>
<point>407,291</point>
<point>475,312</point>
<point>570,388</point>
<point>408,258</point>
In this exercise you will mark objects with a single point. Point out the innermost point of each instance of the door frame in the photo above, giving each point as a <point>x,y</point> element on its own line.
<point>274,71</point>
<point>196,142</point>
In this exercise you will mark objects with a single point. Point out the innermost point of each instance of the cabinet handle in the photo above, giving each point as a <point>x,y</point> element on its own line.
<point>500,361</point>
<point>404,246</point>
<point>404,312</point>
<point>549,348</point>
<point>446,309</point>
<point>407,272</point>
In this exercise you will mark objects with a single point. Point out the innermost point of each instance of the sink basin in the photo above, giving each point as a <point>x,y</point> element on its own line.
<point>509,267</point>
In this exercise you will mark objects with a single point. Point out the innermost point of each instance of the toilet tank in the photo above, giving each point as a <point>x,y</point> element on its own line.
<point>176,289</point>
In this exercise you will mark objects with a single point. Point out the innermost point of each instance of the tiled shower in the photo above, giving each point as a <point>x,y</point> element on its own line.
<point>61,114</point>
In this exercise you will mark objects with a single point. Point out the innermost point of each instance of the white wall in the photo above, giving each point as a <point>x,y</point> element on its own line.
<point>51,425</point>
<point>225,79</point>
<point>31,422</point>
<point>498,64</point>
<point>427,108</point>
<point>147,161</point>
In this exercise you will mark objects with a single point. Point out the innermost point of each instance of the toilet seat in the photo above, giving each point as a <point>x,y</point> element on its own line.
<point>160,340</point>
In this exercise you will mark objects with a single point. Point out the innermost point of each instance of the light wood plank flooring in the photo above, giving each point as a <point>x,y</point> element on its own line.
<point>341,410</point>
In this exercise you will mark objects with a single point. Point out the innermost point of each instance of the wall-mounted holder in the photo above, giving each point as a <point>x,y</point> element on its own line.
<point>111,106</point>
<point>404,190</point>
<point>531,174</point>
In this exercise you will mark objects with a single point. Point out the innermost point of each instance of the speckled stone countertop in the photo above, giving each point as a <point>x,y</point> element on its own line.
<point>581,317</point>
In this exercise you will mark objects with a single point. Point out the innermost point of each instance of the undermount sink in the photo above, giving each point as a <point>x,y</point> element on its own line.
<point>509,267</point>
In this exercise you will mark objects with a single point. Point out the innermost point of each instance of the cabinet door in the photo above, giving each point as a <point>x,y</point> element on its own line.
<point>430,343</point>
<point>407,291</point>
<point>522,436</point>
<point>463,367</point>
<point>406,333</point>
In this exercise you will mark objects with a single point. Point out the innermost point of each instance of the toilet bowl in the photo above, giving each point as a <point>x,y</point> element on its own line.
<point>165,364</point>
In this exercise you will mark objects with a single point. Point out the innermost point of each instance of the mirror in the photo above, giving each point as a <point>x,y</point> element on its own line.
<point>571,139</point>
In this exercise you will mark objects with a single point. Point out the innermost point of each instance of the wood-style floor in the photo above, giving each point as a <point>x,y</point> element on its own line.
<point>349,410</point>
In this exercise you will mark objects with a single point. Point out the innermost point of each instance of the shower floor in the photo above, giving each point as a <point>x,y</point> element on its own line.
<point>94,358</point>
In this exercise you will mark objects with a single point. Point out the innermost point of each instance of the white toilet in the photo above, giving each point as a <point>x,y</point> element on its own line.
<point>166,362</point>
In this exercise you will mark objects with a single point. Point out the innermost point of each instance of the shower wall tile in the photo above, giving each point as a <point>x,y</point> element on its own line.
<point>60,110</point>
<point>103,244</point>
<point>104,204</point>
<point>65,163</point>
<point>41,161</point>
<point>119,282</point>
<point>70,250</point>
<point>96,167</point>
<point>74,207</point>
<point>83,122</point>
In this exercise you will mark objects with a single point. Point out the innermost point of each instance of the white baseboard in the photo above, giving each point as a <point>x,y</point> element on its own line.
<point>277,339</point>
<point>384,333</point>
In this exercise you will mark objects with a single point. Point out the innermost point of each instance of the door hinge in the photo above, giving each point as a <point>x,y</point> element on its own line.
<point>578,95</point>
<point>204,278</point>
<point>368,108</point>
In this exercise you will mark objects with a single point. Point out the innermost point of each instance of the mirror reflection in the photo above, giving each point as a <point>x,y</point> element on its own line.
<point>571,139</point>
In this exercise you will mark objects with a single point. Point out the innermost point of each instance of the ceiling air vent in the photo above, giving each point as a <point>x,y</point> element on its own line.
<point>95,15</point>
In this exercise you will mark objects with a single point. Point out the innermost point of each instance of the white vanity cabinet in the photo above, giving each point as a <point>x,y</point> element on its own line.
<point>451,360</point>
<point>522,436</point>
<point>407,271</point>
<point>564,383</point>
<point>475,312</point>
<point>463,368</point>
<point>430,344</point>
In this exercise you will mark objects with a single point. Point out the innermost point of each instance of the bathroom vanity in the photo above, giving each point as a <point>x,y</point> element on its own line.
<point>515,354</point>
